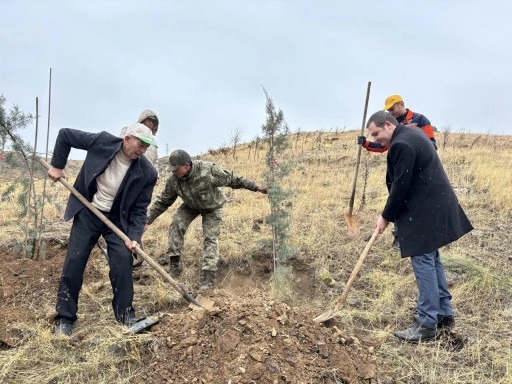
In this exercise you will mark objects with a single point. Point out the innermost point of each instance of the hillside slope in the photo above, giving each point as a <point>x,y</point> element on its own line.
<point>256,334</point>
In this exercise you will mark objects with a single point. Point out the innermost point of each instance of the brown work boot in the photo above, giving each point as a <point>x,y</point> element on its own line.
<point>207,281</point>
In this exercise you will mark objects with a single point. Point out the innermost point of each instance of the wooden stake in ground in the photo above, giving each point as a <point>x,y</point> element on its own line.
<point>341,300</point>
<point>353,221</point>
<point>43,199</point>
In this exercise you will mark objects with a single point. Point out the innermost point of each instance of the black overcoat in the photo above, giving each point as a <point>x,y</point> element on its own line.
<point>421,200</point>
<point>134,195</point>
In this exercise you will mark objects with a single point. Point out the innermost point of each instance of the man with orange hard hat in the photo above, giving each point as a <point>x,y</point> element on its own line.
<point>394,104</point>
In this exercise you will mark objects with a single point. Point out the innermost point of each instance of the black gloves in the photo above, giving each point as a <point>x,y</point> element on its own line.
<point>361,140</point>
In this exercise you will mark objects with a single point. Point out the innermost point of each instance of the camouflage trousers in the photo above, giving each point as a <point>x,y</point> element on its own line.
<point>212,221</point>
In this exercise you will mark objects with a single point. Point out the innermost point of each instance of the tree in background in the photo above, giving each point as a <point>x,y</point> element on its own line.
<point>236,138</point>
<point>10,123</point>
<point>275,132</point>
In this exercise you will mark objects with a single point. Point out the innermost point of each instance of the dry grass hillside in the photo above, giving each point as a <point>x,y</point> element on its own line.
<point>256,336</point>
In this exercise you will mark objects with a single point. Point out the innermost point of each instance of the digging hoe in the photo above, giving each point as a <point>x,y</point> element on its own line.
<point>341,300</point>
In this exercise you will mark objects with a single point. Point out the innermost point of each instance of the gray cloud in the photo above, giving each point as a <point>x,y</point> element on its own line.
<point>201,64</point>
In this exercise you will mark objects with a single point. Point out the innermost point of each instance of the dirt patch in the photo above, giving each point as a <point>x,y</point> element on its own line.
<point>23,283</point>
<point>255,339</point>
<point>247,338</point>
<point>25,286</point>
<point>256,273</point>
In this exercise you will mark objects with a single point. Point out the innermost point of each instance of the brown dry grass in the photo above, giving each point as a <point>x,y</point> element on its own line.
<point>479,265</point>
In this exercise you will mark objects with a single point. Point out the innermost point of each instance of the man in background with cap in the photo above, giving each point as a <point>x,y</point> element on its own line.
<point>198,184</point>
<point>394,104</point>
<point>118,180</point>
<point>150,119</point>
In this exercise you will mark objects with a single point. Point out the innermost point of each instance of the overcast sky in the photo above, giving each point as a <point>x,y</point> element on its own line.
<point>201,64</point>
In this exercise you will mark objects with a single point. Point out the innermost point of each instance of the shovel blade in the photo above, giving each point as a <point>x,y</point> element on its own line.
<point>326,316</point>
<point>143,324</point>
<point>352,223</point>
<point>204,304</point>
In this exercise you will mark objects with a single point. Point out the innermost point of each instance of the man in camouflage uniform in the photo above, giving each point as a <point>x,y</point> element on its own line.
<point>198,184</point>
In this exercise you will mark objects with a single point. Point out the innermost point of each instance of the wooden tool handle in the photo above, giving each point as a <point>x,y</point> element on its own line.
<point>360,147</point>
<point>356,270</point>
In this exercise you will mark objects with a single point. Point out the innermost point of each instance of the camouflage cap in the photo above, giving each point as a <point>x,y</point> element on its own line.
<point>177,158</point>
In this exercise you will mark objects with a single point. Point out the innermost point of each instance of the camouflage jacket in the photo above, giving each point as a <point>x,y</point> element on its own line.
<point>199,190</point>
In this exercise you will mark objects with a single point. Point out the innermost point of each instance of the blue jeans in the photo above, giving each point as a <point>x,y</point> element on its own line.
<point>434,297</point>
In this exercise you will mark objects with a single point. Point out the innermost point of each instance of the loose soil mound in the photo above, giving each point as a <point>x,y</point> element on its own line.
<point>246,338</point>
<point>255,339</point>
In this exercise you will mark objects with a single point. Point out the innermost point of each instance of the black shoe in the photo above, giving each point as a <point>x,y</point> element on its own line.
<point>207,281</point>
<point>175,269</point>
<point>130,320</point>
<point>416,333</point>
<point>127,318</point>
<point>63,329</point>
<point>445,322</point>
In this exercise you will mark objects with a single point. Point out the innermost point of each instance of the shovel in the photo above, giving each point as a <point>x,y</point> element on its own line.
<point>353,221</point>
<point>202,304</point>
<point>143,324</point>
<point>341,300</point>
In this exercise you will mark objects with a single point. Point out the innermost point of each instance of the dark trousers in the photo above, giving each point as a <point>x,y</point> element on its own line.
<point>85,232</point>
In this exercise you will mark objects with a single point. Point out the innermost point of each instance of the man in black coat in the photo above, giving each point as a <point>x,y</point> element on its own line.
<point>427,215</point>
<point>118,180</point>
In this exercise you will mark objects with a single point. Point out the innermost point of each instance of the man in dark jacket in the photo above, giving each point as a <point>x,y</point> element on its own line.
<point>394,104</point>
<point>427,215</point>
<point>119,181</point>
